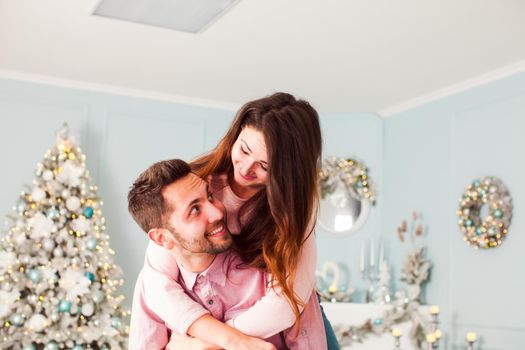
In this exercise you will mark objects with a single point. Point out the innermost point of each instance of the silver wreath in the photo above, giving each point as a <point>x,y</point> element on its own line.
<point>352,173</point>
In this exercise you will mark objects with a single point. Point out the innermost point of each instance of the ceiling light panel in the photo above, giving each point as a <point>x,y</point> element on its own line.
<point>191,16</point>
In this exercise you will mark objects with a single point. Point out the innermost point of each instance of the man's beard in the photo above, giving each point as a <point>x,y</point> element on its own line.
<point>203,244</point>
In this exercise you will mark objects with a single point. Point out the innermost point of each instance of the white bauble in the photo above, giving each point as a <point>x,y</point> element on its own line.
<point>88,309</point>
<point>48,244</point>
<point>37,322</point>
<point>47,175</point>
<point>58,252</point>
<point>38,194</point>
<point>73,203</point>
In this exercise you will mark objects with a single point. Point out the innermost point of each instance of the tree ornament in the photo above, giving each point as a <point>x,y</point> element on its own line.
<point>16,320</point>
<point>34,275</point>
<point>91,244</point>
<point>38,194</point>
<point>88,212</point>
<point>73,203</point>
<point>64,306</point>
<point>52,345</point>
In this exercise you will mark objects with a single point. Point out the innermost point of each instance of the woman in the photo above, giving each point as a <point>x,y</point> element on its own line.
<point>267,168</point>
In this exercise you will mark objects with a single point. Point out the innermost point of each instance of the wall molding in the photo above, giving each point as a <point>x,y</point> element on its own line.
<point>465,85</point>
<point>116,90</point>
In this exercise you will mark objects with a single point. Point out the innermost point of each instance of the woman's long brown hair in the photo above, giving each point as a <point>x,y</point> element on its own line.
<point>280,214</point>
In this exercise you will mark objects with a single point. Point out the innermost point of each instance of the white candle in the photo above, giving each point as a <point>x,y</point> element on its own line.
<point>362,256</point>
<point>471,337</point>
<point>431,338</point>
<point>382,253</point>
<point>396,332</point>
<point>372,257</point>
<point>434,310</point>
<point>437,334</point>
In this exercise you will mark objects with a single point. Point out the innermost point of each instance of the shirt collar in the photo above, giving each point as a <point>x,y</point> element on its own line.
<point>216,272</point>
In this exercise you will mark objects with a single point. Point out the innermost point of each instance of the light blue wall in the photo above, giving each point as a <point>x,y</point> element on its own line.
<point>121,136</point>
<point>431,154</point>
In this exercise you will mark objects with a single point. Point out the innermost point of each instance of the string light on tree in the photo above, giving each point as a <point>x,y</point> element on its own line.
<point>58,277</point>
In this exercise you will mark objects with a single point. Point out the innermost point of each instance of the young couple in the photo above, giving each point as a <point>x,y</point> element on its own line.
<point>202,288</point>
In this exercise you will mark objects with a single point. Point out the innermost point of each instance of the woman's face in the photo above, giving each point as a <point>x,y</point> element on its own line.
<point>250,159</point>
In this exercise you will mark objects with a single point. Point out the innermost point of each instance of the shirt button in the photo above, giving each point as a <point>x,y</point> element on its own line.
<point>303,332</point>
<point>200,278</point>
<point>210,302</point>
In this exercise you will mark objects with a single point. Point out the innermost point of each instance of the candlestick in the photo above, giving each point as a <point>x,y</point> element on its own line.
<point>434,310</point>
<point>431,338</point>
<point>437,335</point>
<point>396,333</point>
<point>372,255</point>
<point>362,257</point>
<point>382,253</point>
<point>471,339</point>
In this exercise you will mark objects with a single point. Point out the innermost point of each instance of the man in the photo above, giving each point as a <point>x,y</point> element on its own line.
<point>179,214</point>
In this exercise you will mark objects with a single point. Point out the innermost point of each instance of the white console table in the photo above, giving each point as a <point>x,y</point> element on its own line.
<point>356,314</point>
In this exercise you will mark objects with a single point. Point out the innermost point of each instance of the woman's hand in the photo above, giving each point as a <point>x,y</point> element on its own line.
<point>179,342</point>
<point>243,342</point>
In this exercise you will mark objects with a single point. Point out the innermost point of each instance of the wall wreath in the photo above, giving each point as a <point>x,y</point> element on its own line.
<point>485,212</point>
<point>353,173</point>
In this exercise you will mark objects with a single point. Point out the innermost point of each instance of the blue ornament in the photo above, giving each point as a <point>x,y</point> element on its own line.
<point>359,184</point>
<point>64,306</point>
<point>498,213</point>
<point>378,321</point>
<point>479,231</point>
<point>468,223</point>
<point>91,244</point>
<point>90,276</point>
<point>78,347</point>
<point>52,345</point>
<point>53,213</point>
<point>98,297</point>
<point>104,347</point>
<point>29,347</point>
<point>115,322</point>
<point>476,183</point>
<point>88,212</point>
<point>34,275</point>
<point>16,320</point>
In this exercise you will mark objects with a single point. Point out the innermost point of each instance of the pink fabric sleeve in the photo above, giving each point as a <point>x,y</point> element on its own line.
<point>147,330</point>
<point>259,320</point>
<point>164,295</point>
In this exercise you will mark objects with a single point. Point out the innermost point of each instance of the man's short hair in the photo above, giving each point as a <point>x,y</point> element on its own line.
<point>145,200</point>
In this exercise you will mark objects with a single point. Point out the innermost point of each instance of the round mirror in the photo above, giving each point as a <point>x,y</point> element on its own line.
<point>342,212</point>
<point>346,195</point>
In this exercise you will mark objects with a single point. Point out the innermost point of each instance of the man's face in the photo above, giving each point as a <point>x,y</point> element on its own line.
<point>195,218</point>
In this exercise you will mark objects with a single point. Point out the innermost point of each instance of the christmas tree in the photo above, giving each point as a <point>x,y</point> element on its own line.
<point>57,275</point>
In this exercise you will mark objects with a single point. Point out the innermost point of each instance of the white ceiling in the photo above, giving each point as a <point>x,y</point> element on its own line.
<point>343,55</point>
